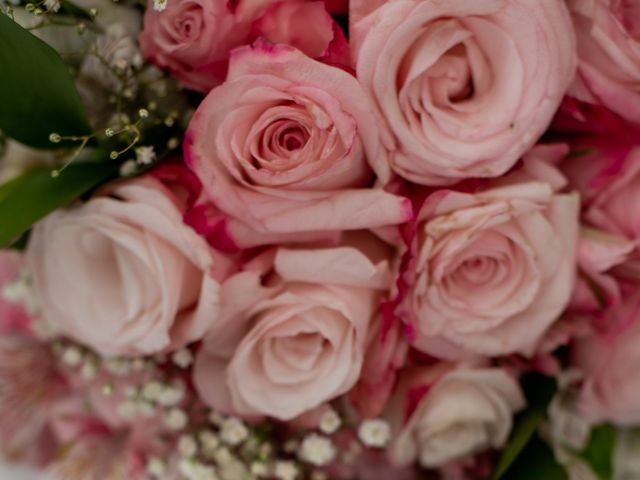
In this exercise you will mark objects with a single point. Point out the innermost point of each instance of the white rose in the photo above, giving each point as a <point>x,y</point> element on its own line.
<point>465,411</point>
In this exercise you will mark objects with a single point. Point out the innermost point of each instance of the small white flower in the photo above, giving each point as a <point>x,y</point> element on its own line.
<point>183,358</point>
<point>128,168</point>
<point>171,395</point>
<point>52,5</point>
<point>118,366</point>
<point>216,418</point>
<point>146,408</point>
<point>89,370</point>
<point>209,442</point>
<point>127,409</point>
<point>330,422</point>
<point>152,390</point>
<point>138,364</point>
<point>160,5</point>
<point>175,419</point>
<point>285,470</point>
<point>156,467</point>
<point>146,156</point>
<point>233,431</point>
<point>374,433</point>
<point>259,469</point>
<point>20,291</point>
<point>187,446</point>
<point>317,450</point>
<point>72,356</point>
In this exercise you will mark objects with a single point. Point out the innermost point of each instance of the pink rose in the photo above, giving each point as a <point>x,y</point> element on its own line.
<point>193,38</point>
<point>442,413</point>
<point>608,33</point>
<point>293,330</point>
<point>123,274</point>
<point>609,179</point>
<point>465,87</point>
<point>598,253</point>
<point>386,354</point>
<point>610,363</point>
<point>492,270</point>
<point>282,149</point>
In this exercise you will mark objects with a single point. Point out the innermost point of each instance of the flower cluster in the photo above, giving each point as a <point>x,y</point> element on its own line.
<point>342,239</point>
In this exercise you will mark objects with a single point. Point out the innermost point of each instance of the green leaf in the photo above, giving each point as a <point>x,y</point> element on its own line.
<point>536,462</point>
<point>36,193</point>
<point>598,453</point>
<point>539,391</point>
<point>37,93</point>
<point>69,8</point>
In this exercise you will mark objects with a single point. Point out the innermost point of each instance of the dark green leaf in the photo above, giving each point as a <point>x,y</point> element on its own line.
<point>37,93</point>
<point>35,194</point>
<point>598,453</point>
<point>69,8</point>
<point>525,426</point>
<point>536,462</point>
<point>539,391</point>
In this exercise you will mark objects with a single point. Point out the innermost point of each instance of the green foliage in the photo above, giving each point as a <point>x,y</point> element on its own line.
<point>37,94</point>
<point>524,445</point>
<point>536,462</point>
<point>28,198</point>
<point>598,453</point>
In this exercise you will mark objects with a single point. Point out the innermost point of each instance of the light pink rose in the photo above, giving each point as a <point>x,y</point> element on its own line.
<point>610,182</point>
<point>386,354</point>
<point>598,253</point>
<point>442,413</point>
<point>282,149</point>
<point>465,87</point>
<point>123,274</point>
<point>293,330</point>
<point>611,362</point>
<point>492,270</point>
<point>608,33</point>
<point>193,38</point>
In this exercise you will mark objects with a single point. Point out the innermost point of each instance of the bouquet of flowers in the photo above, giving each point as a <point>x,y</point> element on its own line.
<point>306,239</point>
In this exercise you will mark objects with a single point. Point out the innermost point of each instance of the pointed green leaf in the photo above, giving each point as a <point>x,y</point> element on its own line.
<point>36,193</point>
<point>598,453</point>
<point>536,462</point>
<point>539,391</point>
<point>37,94</point>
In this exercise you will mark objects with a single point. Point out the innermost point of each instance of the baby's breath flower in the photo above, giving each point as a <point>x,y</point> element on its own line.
<point>145,155</point>
<point>52,5</point>
<point>171,395</point>
<point>317,450</point>
<point>72,356</point>
<point>127,409</point>
<point>156,467</point>
<point>160,5</point>
<point>285,470</point>
<point>330,422</point>
<point>128,168</point>
<point>152,390</point>
<point>209,442</point>
<point>175,419</point>
<point>89,370</point>
<point>233,431</point>
<point>55,138</point>
<point>259,469</point>
<point>183,358</point>
<point>374,433</point>
<point>187,446</point>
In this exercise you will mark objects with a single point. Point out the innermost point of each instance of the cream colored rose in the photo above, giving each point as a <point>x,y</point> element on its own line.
<point>465,411</point>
